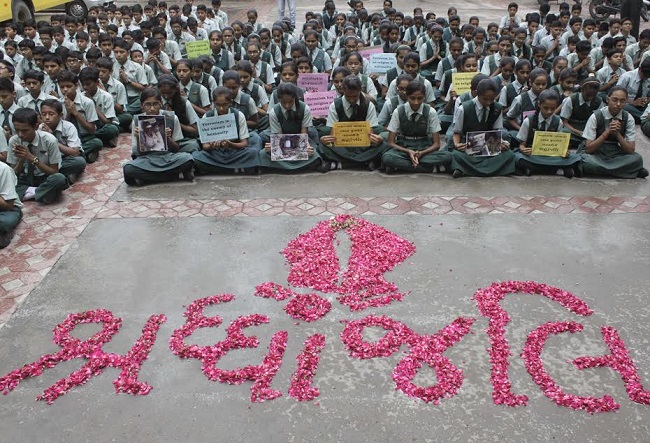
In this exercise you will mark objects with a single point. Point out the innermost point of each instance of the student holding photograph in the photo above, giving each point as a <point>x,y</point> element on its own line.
<point>157,166</point>
<point>544,119</point>
<point>174,101</point>
<point>290,116</point>
<point>480,114</point>
<point>227,156</point>
<point>609,140</point>
<point>414,135</point>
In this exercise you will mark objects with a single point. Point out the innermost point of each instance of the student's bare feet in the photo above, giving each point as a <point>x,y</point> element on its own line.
<point>643,173</point>
<point>457,173</point>
<point>92,157</point>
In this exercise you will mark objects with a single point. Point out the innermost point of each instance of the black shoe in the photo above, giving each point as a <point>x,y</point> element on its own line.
<point>112,143</point>
<point>5,239</point>
<point>324,166</point>
<point>92,157</point>
<point>72,178</point>
<point>457,173</point>
<point>48,199</point>
<point>390,170</point>
<point>371,165</point>
<point>643,173</point>
<point>188,175</point>
<point>130,181</point>
<point>568,172</point>
<point>251,171</point>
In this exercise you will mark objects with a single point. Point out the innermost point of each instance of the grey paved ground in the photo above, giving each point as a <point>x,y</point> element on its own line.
<point>140,267</point>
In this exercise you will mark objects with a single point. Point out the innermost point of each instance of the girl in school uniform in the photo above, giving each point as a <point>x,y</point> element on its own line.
<point>414,135</point>
<point>609,140</point>
<point>353,106</point>
<point>525,102</point>
<point>482,113</point>
<point>228,155</point>
<point>354,62</point>
<point>290,116</point>
<point>288,74</point>
<point>544,119</point>
<point>564,87</point>
<point>173,101</point>
<point>149,167</point>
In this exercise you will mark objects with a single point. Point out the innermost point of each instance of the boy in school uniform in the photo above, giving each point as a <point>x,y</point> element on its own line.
<point>73,162</point>
<point>34,98</point>
<point>53,65</point>
<point>107,124</point>
<point>117,91</point>
<point>80,112</point>
<point>131,75</point>
<point>10,205</point>
<point>9,108</point>
<point>637,84</point>
<point>35,157</point>
<point>26,48</point>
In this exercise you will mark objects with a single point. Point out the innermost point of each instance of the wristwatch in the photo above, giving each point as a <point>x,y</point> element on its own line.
<point>36,161</point>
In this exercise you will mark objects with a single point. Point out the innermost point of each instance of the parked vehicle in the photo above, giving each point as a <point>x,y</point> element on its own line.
<point>602,9</point>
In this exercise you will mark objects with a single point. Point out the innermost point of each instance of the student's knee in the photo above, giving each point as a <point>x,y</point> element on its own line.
<point>645,128</point>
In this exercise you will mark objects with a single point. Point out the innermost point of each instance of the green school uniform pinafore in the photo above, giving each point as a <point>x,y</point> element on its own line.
<point>414,135</point>
<point>293,126</point>
<point>357,155</point>
<point>502,164</point>
<point>610,160</point>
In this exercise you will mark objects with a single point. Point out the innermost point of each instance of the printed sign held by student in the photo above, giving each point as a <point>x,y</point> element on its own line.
<point>289,147</point>
<point>218,128</point>
<point>352,134</point>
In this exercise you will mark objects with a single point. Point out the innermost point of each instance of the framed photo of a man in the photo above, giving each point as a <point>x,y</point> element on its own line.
<point>152,134</point>
<point>487,143</point>
<point>289,147</point>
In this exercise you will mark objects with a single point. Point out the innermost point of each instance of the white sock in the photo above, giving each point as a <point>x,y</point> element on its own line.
<point>30,193</point>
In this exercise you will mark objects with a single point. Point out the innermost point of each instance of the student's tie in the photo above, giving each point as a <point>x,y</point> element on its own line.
<point>291,114</point>
<point>639,91</point>
<point>484,115</point>
<point>5,121</point>
<point>414,117</point>
<point>542,125</point>
<point>30,65</point>
<point>355,110</point>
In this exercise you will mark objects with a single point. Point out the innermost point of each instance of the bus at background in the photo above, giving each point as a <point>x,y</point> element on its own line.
<point>21,10</point>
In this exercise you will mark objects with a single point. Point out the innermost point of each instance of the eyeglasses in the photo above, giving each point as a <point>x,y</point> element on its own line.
<point>152,105</point>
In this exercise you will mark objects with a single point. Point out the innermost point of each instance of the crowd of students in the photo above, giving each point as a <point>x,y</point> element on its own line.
<point>68,88</point>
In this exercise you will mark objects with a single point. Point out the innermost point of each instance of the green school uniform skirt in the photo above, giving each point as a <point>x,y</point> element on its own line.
<point>402,162</point>
<point>610,160</point>
<point>479,166</point>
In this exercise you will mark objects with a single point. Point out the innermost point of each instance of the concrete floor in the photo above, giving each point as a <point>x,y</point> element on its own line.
<point>141,267</point>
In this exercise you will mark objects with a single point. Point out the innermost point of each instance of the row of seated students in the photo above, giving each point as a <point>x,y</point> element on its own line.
<point>58,114</point>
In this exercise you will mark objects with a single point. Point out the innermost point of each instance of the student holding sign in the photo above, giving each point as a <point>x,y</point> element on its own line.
<point>354,106</point>
<point>609,140</point>
<point>414,135</point>
<point>526,103</point>
<point>290,116</point>
<point>157,166</point>
<point>232,154</point>
<point>482,113</point>
<point>545,121</point>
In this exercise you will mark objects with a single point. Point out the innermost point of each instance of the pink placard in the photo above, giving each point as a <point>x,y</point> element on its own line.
<point>314,82</point>
<point>365,53</point>
<point>319,102</point>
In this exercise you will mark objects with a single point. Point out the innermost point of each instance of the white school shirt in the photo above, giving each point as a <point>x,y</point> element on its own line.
<point>333,117</point>
<point>204,96</point>
<point>8,182</point>
<point>522,135</point>
<point>459,116</point>
<point>432,127</point>
<point>590,128</point>
<point>274,122</point>
<point>428,94</point>
<point>630,80</point>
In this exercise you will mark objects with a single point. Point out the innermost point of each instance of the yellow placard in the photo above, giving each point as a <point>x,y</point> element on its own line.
<point>551,144</point>
<point>462,81</point>
<point>351,134</point>
<point>197,48</point>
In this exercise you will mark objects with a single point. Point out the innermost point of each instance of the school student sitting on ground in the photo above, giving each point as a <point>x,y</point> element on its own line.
<point>35,157</point>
